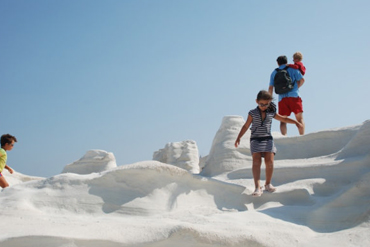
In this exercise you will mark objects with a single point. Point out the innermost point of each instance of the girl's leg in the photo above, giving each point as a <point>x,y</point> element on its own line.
<point>256,169</point>
<point>269,161</point>
<point>3,182</point>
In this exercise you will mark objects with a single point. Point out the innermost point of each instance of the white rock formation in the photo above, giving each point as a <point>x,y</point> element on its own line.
<point>359,144</point>
<point>202,162</point>
<point>322,197</point>
<point>224,156</point>
<point>92,161</point>
<point>183,154</point>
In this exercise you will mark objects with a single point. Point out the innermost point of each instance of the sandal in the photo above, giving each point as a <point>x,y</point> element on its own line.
<point>270,188</point>
<point>257,192</point>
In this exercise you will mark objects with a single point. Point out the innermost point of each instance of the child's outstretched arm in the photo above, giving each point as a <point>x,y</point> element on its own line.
<point>243,130</point>
<point>293,66</point>
<point>9,169</point>
<point>286,119</point>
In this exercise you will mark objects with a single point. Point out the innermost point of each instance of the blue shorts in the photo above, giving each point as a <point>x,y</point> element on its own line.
<point>1,174</point>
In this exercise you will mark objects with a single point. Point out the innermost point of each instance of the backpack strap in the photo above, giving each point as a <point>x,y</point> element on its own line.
<point>286,68</point>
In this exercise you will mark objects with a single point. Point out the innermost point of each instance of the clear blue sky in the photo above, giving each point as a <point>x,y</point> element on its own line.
<point>130,76</point>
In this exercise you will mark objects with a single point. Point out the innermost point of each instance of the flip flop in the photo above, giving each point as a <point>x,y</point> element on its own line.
<point>257,192</point>
<point>270,188</point>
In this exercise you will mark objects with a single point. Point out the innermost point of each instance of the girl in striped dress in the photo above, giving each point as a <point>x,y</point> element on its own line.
<point>261,141</point>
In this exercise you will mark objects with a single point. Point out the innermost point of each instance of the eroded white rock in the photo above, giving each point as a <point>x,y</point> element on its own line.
<point>224,156</point>
<point>92,161</point>
<point>183,154</point>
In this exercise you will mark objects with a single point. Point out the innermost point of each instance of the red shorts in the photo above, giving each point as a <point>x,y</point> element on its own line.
<point>289,104</point>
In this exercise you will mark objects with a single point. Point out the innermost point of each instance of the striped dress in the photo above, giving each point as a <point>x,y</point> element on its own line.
<point>261,138</point>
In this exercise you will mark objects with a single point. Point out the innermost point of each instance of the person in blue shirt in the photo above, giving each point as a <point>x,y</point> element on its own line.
<point>291,101</point>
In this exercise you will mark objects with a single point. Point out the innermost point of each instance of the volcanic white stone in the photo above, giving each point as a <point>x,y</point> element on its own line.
<point>224,156</point>
<point>92,161</point>
<point>183,154</point>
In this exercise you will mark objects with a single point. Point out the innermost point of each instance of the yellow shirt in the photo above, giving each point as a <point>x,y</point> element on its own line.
<point>3,158</point>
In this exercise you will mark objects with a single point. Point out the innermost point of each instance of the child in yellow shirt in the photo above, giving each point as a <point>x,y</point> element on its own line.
<point>7,144</point>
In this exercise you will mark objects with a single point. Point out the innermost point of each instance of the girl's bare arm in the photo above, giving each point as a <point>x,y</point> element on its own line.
<point>243,130</point>
<point>286,119</point>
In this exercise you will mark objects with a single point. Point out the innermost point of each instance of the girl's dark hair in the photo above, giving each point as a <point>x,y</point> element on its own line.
<point>7,139</point>
<point>264,95</point>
